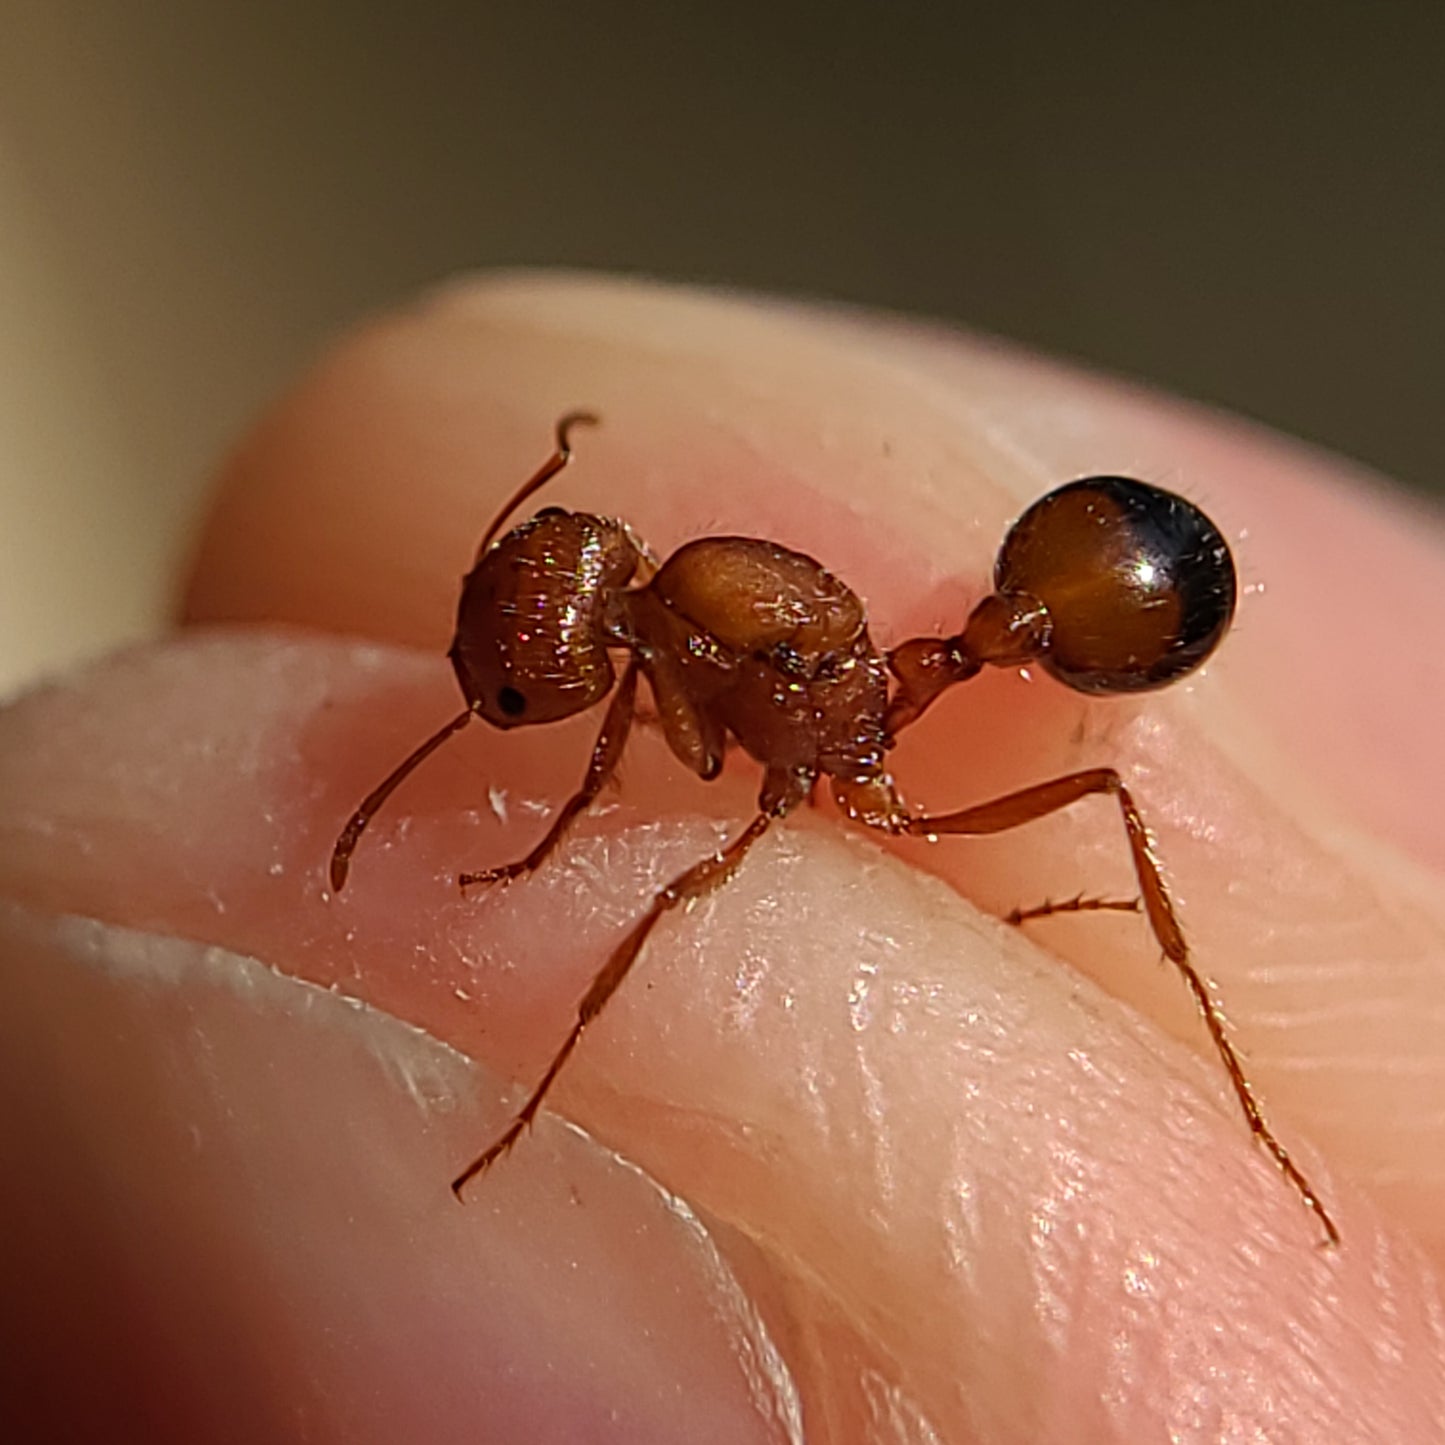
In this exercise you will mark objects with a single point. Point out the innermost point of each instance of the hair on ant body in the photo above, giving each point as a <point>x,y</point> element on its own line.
<point>1111,585</point>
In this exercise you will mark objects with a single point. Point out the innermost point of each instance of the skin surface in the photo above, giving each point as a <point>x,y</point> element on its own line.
<point>852,1161</point>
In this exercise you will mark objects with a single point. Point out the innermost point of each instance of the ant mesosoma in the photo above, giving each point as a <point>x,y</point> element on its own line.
<point>1110,584</point>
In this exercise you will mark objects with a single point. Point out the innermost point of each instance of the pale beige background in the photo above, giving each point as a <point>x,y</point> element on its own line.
<point>193,195</point>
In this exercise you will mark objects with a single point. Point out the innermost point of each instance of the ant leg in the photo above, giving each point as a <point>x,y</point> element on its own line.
<point>1077,904</point>
<point>696,882</point>
<point>1042,799</point>
<point>606,753</point>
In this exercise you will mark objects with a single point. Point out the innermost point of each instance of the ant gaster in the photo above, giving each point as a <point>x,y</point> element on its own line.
<point>1110,584</point>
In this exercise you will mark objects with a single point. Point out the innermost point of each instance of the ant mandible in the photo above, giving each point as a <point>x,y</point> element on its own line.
<point>1110,584</point>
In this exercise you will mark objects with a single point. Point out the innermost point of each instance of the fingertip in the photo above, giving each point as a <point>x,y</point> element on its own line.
<point>897,457</point>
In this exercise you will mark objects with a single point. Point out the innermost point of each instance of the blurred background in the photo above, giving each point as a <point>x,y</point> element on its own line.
<point>1243,203</point>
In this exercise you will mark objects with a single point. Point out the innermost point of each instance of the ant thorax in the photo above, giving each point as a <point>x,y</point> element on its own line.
<point>742,636</point>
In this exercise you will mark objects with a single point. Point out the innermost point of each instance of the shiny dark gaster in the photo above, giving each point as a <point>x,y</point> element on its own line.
<point>1144,577</point>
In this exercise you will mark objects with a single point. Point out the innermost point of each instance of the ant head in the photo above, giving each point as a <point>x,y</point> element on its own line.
<point>531,641</point>
<point>1137,585</point>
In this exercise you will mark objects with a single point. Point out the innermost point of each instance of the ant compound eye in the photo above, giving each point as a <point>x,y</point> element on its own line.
<point>1138,583</point>
<point>511,702</point>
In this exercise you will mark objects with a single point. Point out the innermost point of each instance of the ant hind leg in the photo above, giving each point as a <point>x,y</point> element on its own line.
<point>883,810</point>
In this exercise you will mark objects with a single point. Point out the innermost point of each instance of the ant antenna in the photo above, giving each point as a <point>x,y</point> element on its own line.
<point>371,804</point>
<point>544,474</point>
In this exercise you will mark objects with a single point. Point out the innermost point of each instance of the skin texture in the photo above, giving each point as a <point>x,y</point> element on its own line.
<point>852,1161</point>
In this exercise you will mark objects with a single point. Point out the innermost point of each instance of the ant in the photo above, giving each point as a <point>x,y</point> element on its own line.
<point>1111,585</point>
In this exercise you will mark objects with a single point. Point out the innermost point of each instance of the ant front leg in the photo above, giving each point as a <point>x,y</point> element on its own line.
<point>702,878</point>
<point>606,754</point>
<point>875,804</point>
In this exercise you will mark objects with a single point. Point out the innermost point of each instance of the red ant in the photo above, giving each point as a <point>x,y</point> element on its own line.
<point>1110,584</point>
